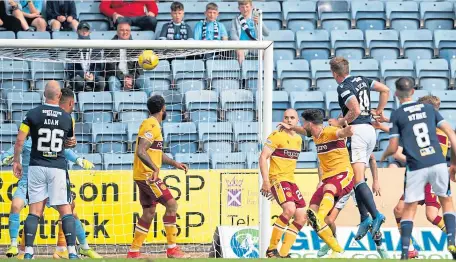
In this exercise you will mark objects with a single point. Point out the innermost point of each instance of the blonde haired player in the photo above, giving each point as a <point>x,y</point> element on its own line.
<point>282,149</point>
<point>430,199</point>
<point>146,168</point>
<point>337,173</point>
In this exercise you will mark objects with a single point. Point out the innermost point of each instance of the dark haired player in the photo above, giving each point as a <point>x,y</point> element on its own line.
<point>146,168</point>
<point>415,125</point>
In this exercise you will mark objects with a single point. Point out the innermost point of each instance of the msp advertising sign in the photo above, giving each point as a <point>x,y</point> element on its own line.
<point>242,242</point>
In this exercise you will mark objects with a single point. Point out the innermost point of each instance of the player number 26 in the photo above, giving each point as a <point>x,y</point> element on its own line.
<point>50,137</point>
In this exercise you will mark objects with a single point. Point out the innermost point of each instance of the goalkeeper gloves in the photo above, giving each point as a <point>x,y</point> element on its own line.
<point>84,163</point>
<point>7,160</point>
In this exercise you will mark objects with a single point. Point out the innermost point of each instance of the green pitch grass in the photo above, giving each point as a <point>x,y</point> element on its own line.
<point>217,259</point>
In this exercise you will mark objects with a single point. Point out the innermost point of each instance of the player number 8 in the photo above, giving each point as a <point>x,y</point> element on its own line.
<point>54,137</point>
<point>421,132</point>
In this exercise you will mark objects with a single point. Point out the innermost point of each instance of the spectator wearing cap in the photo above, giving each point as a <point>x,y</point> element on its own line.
<point>61,15</point>
<point>176,29</point>
<point>245,26</point>
<point>135,12</point>
<point>210,28</point>
<point>122,75</point>
<point>86,75</point>
<point>32,14</point>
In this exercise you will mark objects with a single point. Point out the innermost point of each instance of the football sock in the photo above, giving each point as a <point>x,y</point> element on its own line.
<point>69,229</point>
<point>277,231</point>
<point>290,237</point>
<point>326,234</point>
<point>363,193</point>
<point>30,226</point>
<point>170,229</point>
<point>438,221</point>
<point>326,204</point>
<point>61,242</point>
<point>450,224</point>
<point>22,246</point>
<point>141,231</point>
<point>406,233</point>
<point>13,227</point>
<point>81,234</point>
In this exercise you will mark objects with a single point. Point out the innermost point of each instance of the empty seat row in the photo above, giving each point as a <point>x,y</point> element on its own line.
<point>95,35</point>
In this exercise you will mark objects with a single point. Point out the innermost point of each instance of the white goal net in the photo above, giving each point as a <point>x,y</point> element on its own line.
<point>218,113</point>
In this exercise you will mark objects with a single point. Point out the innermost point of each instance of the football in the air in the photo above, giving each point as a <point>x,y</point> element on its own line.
<point>148,60</point>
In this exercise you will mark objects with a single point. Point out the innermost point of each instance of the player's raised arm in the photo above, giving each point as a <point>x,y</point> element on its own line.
<point>70,155</point>
<point>384,95</point>
<point>347,131</point>
<point>167,160</point>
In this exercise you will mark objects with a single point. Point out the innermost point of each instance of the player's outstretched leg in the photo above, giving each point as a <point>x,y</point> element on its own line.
<point>169,220</point>
<point>323,230</point>
<point>292,231</point>
<point>364,197</point>
<point>84,249</point>
<point>330,220</point>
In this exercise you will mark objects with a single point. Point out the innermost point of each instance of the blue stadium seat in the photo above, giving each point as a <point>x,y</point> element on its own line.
<point>14,76</point>
<point>246,136</point>
<point>310,145</point>
<point>394,69</point>
<point>194,161</point>
<point>131,106</point>
<point>110,137</point>
<point>91,103</point>
<point>301,101</point>
<point>334,15</point>
<point>375,98</point>
<point>307,160</point>
<point>90,12</point>
<point>132,132</point>
<point>118,161</point>
<point>8,133</point>
<point>378,156</point>
<point>97,117</point>
<point>249,73</point>
<point>332,104</point>
<point>383,137</point>
<point>143,35</point>
<point>383,44</point>
<point>348,43</point>
<point>437,15</point>
<point>174,102</point>
<point>102,35</point>
<point>322,75</point>
<point>453,68</point>
<point>23,101</point>
<point>202,105</point>
<point>300,15</point>
<point>252,160</point>
<point>447,98</point>
<point>313,44</point>
<point>158,79</point>
<point>7,35</point>
<point>189,75</point>
<point>33,35</point>
<point>445,42</point>
<point>433,74</point>
<point>449,116</point>
<point>194,12</point>
<point>272,14</point>
<point>229,160</point>
<point>294,75</point>
<point>417,44</point>
<point>3,112</point>
<point>238,105</point>
<point>65,35</point>
<point>365,67</point>
<point>228,10</point>
<point>216,137</point>
<point>43,72</point>
<point>94,158</point>
<point>368,15</point>
<point>280,103</point>
<point>284,44</point>
<point>403,15</point>
<point>83,132</point>
<point>181,137</point>
<point>223,74</point>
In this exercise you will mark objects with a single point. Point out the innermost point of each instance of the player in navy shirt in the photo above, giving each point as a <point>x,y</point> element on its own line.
<point>51,130</point>
<point>355,103</point>
<point>415,124</point>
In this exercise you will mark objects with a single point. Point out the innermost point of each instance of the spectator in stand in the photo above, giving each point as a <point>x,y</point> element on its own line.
<point>245,27</point>
<point>210,29</point>
<point>122,75</point>
<point>176,29</point>
<point>132,12</point>
<point>62,15</point>
<point>32,14</point>
<point>9,22</point>
<point>86,76</point>
<point>14,9</point>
